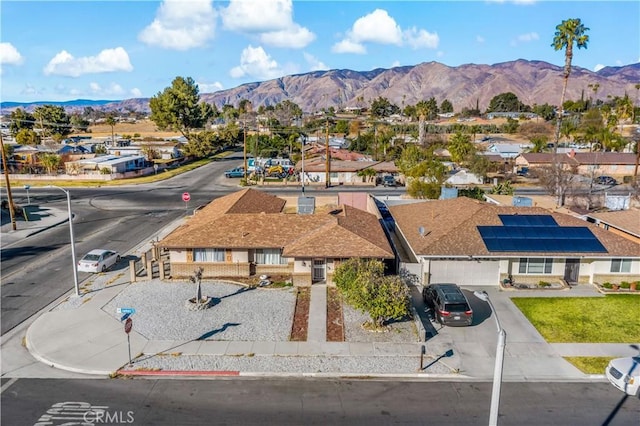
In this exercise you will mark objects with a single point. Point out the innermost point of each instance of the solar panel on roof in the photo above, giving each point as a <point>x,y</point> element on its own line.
<point>527,220</point>
<point>552,239</point>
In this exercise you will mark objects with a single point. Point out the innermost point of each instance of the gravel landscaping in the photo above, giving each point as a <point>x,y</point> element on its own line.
<point>397,332</point>
<point>238,312</point>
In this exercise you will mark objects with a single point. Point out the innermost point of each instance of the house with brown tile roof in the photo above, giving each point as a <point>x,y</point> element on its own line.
<point>586,163</point>
<point>249,233</point>
<point>625,223</point>
<point>471,242</point>
<point>345,172</point>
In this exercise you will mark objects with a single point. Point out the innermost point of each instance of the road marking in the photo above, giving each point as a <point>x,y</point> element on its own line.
<point>7,385</point>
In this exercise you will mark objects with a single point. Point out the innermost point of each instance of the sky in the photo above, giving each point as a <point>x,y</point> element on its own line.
<point>113,50</point>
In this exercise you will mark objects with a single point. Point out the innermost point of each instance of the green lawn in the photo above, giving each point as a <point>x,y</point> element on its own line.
<point>609,319</point>
<point>590,365</point>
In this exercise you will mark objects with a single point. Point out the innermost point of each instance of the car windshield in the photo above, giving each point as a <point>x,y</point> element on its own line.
<point>91,257</point>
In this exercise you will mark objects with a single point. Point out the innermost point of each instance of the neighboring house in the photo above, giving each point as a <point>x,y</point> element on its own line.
<point>625,223</point>
<point>165,150</point>
<point>344,172</point>
<point>248,233</point>
<point>511,114</point>
<point>586,163</point>
<point>505,150</point>
<point>470,242</point>
<point>106,164</point>
<point>463,177</point>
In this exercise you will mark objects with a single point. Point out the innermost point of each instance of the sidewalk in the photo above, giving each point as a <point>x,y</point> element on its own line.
<point>40,219</point>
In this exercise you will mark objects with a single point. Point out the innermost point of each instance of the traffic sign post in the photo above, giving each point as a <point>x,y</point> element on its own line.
<point>128,325</point>
<point>186,197</point>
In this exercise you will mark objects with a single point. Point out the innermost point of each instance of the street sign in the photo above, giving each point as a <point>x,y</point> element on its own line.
<point>126,311</point>
<point>124,317</point>
<point>128,325</point>
<point>186,196</point>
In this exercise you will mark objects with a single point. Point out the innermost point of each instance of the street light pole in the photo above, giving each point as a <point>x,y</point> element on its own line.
<point>73,247</point>
<point>497,371</point>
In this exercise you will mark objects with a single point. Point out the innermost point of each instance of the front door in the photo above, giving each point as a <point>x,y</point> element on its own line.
<point>572,271</point>
<point>318,270</point>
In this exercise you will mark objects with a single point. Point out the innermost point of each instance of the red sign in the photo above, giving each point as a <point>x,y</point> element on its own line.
<point>186,197</point>
<point>128,325</point>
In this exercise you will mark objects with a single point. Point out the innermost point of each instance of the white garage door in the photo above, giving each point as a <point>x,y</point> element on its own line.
<point>465,272</point>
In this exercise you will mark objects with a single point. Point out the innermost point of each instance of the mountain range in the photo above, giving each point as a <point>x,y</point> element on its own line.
<point>465,86</point>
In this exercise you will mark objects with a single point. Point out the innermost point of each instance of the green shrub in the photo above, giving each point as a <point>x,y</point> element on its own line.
<point>544,284</point>
<point>607,285</point>
<point>625,284</point>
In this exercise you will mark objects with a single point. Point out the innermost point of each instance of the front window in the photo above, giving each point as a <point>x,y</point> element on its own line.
<point>208,255</point>
<point>620,265</point>
<point>269,257</point>
<point>535,266</point>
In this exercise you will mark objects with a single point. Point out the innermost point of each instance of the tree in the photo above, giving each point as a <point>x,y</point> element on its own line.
<point>506,102</point>
<point>568,32</point>
<point>111,121</point>
<point>558,181</point>
<point>52,121</point>
<point>545,111</point>
<point>178,108</point>
<point>27,137</point>
<point>51,162</point>
<point>446,107</point>
<point>20,119</point>
<point>461,148</point>
<point>381,108</point>
<point>79,123</point>
<point>364,286</point>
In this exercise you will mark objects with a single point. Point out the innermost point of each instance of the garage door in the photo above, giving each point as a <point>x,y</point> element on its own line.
<point>465,273</point>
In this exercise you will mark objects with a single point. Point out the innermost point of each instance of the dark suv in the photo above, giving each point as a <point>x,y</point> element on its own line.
<point>448,304</point>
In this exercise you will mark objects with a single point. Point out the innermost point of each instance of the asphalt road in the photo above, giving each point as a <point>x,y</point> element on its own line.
<point>311,402</point>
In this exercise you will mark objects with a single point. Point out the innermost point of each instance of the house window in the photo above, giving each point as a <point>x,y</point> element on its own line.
<point>535,266</point>
<point>208,255</point>
<point>269,257</point>
<point>620,265</point>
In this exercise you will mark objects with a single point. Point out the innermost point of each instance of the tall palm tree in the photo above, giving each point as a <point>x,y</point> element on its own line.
<point>568,32</point>
<point>111,121</point>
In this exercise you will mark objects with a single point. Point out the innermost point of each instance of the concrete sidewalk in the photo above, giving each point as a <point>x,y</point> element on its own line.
<point>40,218</point>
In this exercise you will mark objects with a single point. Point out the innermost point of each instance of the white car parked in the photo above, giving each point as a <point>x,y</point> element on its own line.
<point>624,373</point>
<point>98,260</point>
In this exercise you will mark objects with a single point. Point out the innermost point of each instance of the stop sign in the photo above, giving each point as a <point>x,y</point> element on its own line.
<point>185,196</point>
<point>128,324</point>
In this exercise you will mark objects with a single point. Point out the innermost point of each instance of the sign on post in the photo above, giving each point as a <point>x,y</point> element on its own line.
<point>186,197</point>
<point>126,311</point>
<point>128,325</point>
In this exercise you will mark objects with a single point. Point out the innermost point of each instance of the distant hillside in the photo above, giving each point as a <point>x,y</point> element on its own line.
<point>465,86</point>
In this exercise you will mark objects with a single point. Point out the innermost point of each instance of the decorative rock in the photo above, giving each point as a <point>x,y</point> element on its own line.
<point>192,305</point>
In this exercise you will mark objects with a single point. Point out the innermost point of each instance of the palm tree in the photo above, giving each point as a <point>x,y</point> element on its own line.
<point>568,32</point>
<point>111,121</point>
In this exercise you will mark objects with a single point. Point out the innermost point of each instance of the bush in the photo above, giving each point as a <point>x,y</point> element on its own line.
<point>607,285</point>
<point>625,284</point>
<point>544,284</point>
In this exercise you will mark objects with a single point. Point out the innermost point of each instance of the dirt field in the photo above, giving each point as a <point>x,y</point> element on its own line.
<point>144,128</point>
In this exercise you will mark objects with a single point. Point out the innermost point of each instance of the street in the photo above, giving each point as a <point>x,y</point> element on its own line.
<point>262,401</point>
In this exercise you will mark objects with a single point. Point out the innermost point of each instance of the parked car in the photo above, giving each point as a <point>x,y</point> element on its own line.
<point>605,180</point>
<point>624,373</point>
<point>448,304</point>
<point>389,180</point>
<point>235,173</point>
<point>98,260</point>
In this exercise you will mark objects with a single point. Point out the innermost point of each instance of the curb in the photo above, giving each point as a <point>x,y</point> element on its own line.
<point>198,373</point>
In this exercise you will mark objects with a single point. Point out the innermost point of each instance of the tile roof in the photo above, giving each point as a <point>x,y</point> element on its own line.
<point>318,165</point>
<point>343,232</point>
<point>626,220</point>
<point>450,228</point>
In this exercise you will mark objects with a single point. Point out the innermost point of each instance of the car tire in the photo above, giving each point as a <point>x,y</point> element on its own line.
<point>104,268</point>
<point>117,259</point>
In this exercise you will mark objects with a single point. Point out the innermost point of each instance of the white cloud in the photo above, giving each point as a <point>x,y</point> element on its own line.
<point>379,27</point>
<point>271,19</point>
<point>480,39</point>
<point>294,37</point>
<point>135,92</point>
<point>528,37</point>
<point>314,63</point>
<point>9,54</point>
<point>108,60</point>
<point>376,27</point>
<point>255,62</point>
<point>395,64</point>
<point>181,25</point>
<point>598,67</point>
<point>348,46</point>
<point>419,39</point>
<point>30,89</point>
<point>209,87</point>
<point>114,89</point>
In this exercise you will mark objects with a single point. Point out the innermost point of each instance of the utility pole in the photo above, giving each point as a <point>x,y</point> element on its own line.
<point>12,212</point>
<point>327,159</point>
<point>244,145</point>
